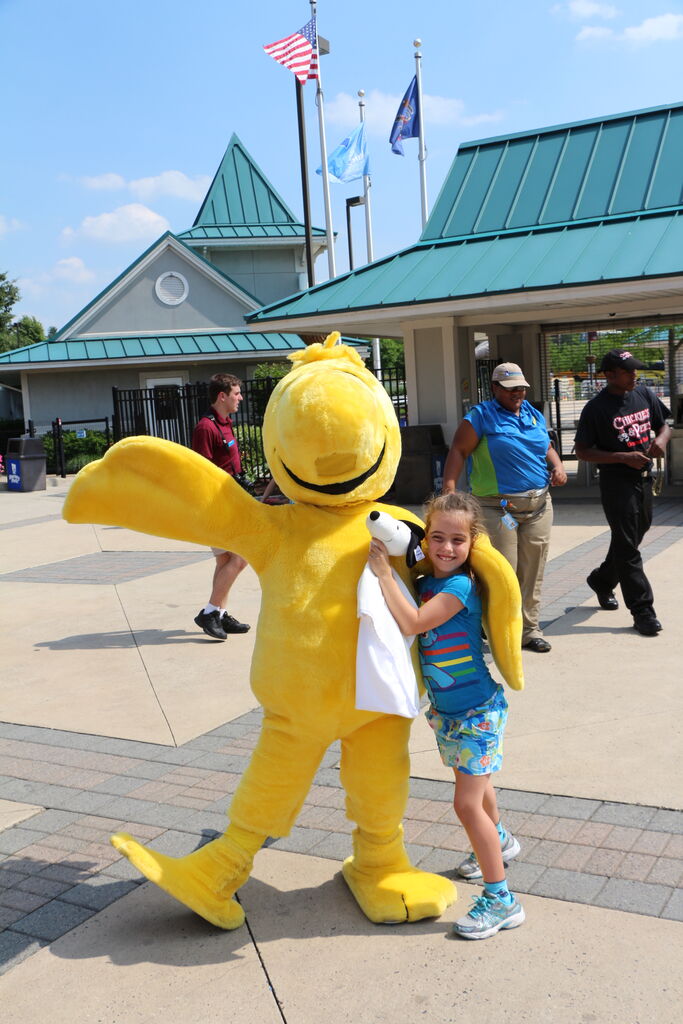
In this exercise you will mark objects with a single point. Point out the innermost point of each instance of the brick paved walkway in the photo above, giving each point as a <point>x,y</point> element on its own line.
<point>57,868</point>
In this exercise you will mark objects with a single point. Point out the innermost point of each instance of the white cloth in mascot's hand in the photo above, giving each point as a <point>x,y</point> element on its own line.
<point>385,678</point>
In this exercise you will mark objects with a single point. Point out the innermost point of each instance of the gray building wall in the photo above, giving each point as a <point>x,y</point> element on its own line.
<point>267,274</point>
<point>136,309</point>
<point>86,394</point>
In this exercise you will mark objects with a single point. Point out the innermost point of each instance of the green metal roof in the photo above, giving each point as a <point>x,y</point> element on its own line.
<point>572,205</point>
<point>623,164</point>
<point>606,250</point>
<point>147,346</point>
<point>215,231</point>
<point>241,196</point>
<point>144,346</point>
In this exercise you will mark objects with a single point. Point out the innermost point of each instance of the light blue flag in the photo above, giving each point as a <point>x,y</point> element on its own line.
<point>350,159</point>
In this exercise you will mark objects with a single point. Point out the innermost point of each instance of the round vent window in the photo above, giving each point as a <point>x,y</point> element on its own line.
<point>171,288</point>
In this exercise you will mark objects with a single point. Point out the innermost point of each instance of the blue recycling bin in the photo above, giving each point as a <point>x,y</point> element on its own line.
<point>25,462</point>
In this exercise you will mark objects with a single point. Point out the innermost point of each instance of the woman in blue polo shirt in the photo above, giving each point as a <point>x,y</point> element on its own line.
<point>511,465</point>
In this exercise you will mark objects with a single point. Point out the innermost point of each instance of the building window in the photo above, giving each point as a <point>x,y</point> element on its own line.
<point>171,288</point>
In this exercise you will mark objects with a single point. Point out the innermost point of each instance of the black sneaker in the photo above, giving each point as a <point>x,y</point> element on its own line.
<point>647,624</point>
<point>539,645</point>
<point>210,622</point>
<point>606,598</point>
<point>231,625</point>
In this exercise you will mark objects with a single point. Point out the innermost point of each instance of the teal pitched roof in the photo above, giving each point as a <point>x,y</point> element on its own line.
<point>625,164</point>
<point>491,264</point>
<point>242,203</point>
<point>223,231</point>
<point>580,204</point>
<point>146,346</point>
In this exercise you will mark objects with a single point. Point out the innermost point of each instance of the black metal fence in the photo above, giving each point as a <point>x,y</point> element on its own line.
<point>58,461</point>
<point>171,412</point>
<point>570,373</point>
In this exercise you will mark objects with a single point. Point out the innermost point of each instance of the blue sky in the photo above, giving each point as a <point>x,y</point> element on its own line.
<point>117,116</point>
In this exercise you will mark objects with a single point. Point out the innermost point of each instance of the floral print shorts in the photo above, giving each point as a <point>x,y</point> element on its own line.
<point>472,744</point>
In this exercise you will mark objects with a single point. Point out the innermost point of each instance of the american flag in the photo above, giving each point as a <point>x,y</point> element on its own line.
<point>298,52</point>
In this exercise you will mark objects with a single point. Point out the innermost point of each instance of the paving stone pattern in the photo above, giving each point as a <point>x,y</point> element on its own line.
<point>107,568</point>
<point>57,868</point>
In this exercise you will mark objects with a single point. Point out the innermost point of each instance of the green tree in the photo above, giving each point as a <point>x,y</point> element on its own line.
<point>274,371</point>
<point>9,296</point>
<point>392,354</point>
<point>28,330</point>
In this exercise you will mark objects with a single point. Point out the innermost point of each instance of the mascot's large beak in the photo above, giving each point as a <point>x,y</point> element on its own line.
<point>343,486</point>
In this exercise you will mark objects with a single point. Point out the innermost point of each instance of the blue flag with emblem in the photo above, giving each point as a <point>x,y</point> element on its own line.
<point>407,120</point>
<point>350,159</point>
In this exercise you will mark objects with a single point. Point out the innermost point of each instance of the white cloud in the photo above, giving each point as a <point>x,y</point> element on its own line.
<point>589,9</point>
<point>72,269</point>
<point>654,30</point>
<point>168,183</point>
<point>67,271</point>
<point>8,224</point>
<point>594,33</point>
<point>171,183</point>
<point>131,223</point>
<point>381,107</point>
<point>663,28</point>
<point>105,182</point>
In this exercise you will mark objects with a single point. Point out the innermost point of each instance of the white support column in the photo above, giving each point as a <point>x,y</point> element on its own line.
<point>25,396</point>
<point>411,376</point>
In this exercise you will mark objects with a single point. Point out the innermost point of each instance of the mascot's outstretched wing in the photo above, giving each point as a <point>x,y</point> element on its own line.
<point>162,488</point>
<point>502,605</point>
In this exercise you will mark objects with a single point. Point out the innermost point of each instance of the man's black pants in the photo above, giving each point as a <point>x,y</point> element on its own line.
<point>628,507</point>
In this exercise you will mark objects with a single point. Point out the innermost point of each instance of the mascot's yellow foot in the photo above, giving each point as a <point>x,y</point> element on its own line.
<point>204,881</point>
<point>392,897</point>
<point>387,888</point>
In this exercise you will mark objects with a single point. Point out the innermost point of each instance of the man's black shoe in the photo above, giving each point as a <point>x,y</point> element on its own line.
<point>606,598</point>
<point>210,622</point>
<point>231,625</point>
<point>647,624</point>
<point>539,645</point>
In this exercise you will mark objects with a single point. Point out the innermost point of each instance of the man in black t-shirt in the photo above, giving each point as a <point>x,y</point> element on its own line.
<point>615,430</point>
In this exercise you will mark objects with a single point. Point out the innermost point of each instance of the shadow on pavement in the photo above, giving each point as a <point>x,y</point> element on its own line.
<point>124,638</point>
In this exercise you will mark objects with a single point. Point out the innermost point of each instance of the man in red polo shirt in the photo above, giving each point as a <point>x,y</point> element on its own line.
<point>213,438</point>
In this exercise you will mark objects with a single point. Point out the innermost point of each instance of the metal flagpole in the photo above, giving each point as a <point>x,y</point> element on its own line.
<point>376,356</point>
<point>422,154</point>
<point>303,159</point>
<point>323,154</point>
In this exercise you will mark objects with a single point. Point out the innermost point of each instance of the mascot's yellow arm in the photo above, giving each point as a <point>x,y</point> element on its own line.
<point>502,607</point>
<point>158,487</point>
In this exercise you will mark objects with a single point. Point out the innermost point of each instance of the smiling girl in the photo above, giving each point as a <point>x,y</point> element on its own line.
<point>468,709</point>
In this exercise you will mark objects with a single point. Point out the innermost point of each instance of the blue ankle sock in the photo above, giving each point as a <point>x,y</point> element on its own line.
<point>502,833</point>
<point>500,889</point>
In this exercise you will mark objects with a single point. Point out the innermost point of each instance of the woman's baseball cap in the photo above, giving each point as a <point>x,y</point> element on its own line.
<point>619,359</point>
<point>509,375</point>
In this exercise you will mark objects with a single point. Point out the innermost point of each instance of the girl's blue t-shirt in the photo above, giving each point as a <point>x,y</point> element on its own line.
<point>455,673</point>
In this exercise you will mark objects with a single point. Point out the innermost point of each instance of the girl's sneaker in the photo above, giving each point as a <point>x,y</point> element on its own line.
<point>487,916</point>
<point>470,866</point>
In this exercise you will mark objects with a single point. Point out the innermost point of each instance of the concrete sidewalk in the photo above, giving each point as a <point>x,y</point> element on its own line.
<point>117,713</point>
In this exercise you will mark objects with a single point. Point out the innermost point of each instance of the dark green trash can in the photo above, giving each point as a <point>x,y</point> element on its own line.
<point>25,461</point>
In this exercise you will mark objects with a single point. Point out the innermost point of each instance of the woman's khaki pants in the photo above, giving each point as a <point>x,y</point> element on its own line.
<point>526,548</point>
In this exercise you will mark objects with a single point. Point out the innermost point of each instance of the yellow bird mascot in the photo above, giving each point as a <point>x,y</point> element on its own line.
<point>333,444</point>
